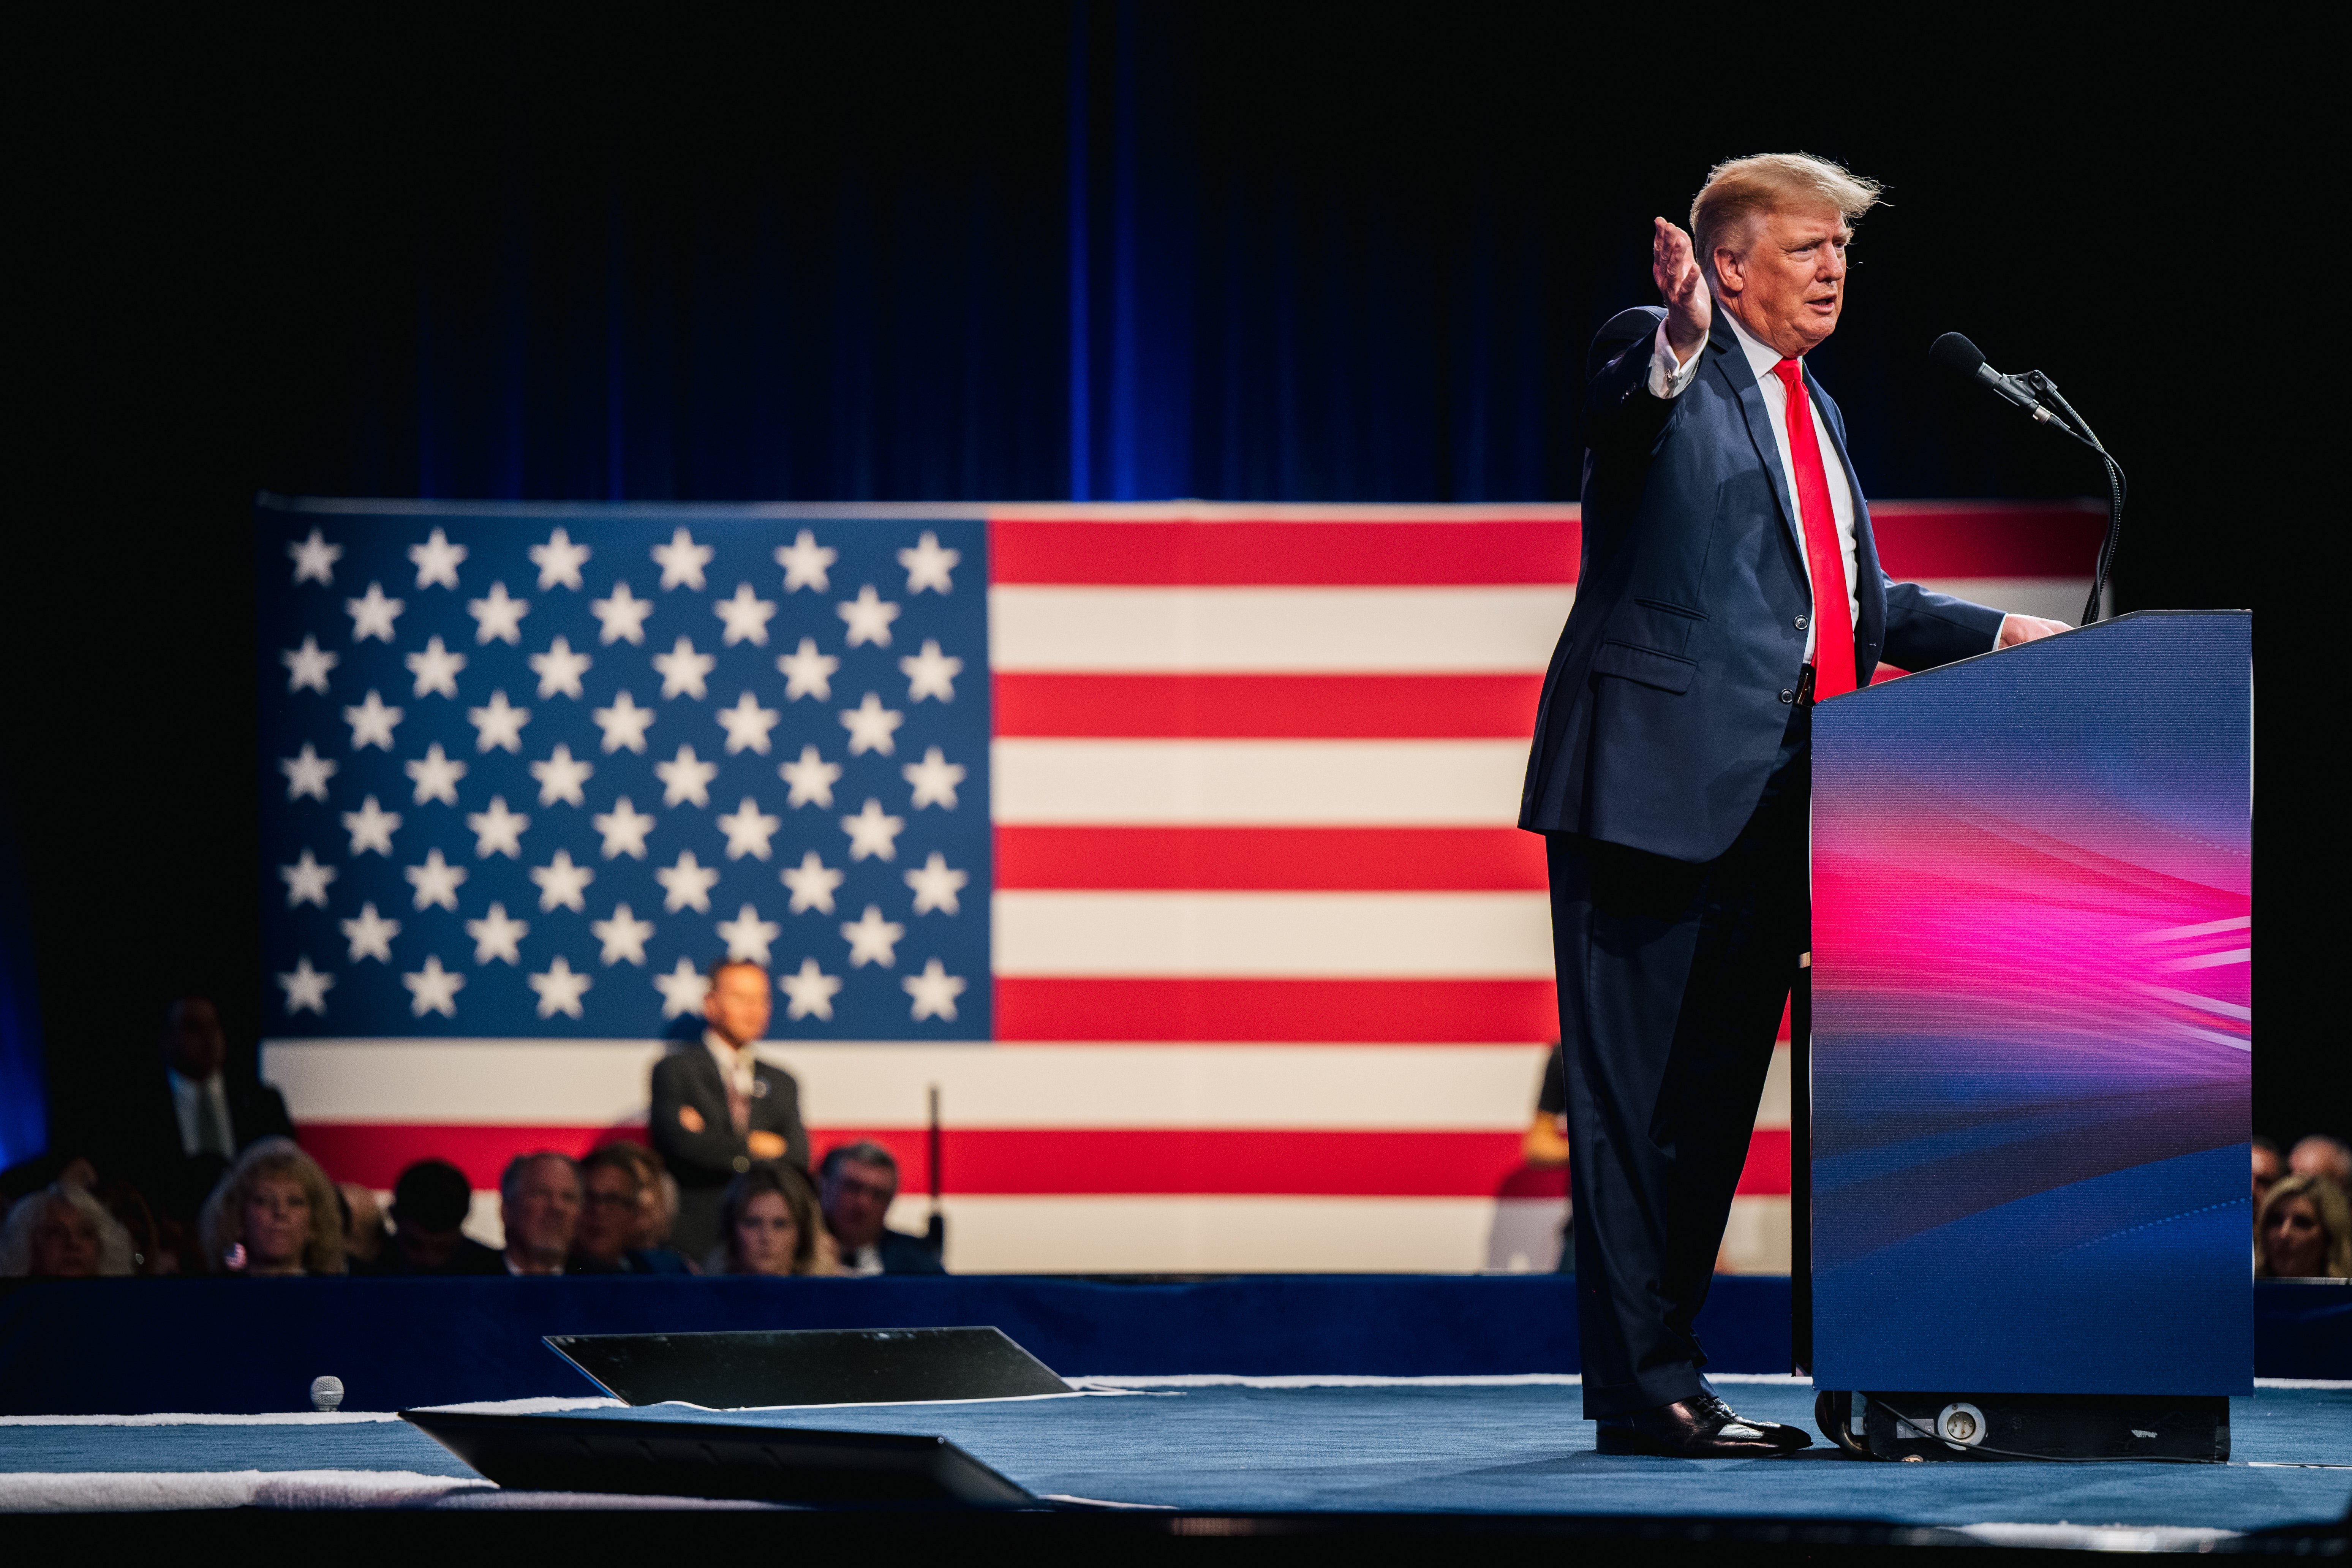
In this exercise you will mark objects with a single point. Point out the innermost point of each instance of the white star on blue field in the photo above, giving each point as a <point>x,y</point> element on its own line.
<point>529,776</point>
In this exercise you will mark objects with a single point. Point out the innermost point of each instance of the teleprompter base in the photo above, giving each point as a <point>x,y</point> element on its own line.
<point>746,1370</point>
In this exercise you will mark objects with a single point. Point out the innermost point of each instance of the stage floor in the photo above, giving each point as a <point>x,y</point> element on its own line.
<point>1271,1445</point>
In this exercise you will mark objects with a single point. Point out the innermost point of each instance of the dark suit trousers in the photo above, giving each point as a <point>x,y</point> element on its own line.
<point>1672,977</point>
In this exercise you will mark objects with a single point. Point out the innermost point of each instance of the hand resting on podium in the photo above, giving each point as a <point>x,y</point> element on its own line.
<point>2015,629</point>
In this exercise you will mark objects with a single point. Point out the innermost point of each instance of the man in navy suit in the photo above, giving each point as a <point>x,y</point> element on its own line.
<point>717,1107</point>
<point>1671,771</point>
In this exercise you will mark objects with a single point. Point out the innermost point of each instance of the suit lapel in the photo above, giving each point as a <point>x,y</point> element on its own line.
<point>1731,363</point>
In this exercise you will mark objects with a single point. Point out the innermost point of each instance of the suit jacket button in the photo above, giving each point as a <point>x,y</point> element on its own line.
<point>1789,697</point>
<point>742,1165</point>
<point>1800,623</point>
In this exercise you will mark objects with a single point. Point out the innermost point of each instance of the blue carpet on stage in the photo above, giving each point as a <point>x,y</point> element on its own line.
<point>1434,1448</point>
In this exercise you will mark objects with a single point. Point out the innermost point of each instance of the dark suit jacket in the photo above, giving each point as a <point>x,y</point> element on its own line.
<point>1669,690</point>
<point>714,1156</point>
<point>471,1258</point>
<point>904,1254</point>
<point>178,1184</point>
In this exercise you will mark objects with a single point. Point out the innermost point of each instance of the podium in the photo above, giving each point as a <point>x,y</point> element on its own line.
<point>2031,1048</point>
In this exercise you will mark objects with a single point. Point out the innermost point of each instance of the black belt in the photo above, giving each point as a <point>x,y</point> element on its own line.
<point>1801,694</point>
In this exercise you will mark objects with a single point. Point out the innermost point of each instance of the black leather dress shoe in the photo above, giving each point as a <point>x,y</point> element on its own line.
<point>1785,1436</point>
<point>1700,1428</point>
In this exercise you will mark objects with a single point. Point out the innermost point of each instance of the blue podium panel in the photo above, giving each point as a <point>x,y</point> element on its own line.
<point>2032,1020</point>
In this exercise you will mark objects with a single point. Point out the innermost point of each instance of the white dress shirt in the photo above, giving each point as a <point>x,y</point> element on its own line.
<point>203,1108</point>
<point>737,1066</point>
<point>1669,377</point>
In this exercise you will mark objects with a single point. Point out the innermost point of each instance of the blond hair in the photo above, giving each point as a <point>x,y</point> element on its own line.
<point>16,1234</point>
<point>1740,190</point>
<point>222,1225</point>
<point>2335,1215</point>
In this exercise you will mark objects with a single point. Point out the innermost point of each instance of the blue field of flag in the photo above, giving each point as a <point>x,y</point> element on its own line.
<point>529,776</point>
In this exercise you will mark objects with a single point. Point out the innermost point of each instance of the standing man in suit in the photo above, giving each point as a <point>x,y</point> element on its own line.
<point>201,1114</point>
<point>1730,582</point>
<point>717,1107</point>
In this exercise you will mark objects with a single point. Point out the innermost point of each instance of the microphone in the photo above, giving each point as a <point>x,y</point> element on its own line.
<point>1964,358</point>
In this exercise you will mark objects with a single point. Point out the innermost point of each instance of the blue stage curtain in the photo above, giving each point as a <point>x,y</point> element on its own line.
<point>1124,250</point>
<point>23,1103</point>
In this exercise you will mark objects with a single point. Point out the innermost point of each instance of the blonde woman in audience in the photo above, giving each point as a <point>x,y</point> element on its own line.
<point>273,1214</point>
<point>768,1224</point>
<point>63,1233</point>
<point>2304,1231</point>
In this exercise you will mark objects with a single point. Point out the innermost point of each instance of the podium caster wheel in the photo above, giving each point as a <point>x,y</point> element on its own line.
<point>1834,1413</point>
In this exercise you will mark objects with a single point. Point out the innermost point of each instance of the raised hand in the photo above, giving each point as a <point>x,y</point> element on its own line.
<point>1690,311</point>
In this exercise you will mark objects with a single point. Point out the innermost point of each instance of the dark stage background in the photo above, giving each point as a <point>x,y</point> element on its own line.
<point>1108,251</point>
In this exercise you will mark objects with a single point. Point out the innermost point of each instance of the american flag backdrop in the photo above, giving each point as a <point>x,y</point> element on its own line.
<point>1172,844</point>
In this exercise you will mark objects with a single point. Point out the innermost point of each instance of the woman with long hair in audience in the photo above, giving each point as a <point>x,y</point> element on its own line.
<point>63,1232</point>
<point>275,1213</point>
<point>769,1224</point>
<point>2304,1231</point>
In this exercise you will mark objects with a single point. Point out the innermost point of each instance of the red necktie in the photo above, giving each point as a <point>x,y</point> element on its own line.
<point>1833,629</point>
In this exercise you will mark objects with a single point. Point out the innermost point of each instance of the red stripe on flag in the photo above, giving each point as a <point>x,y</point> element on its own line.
<point>1409,555</point>
<point>375,1153</point>
<point>1310,706</point>
<point>1294,859</point>
<point>1988,539</point>
<point>1185,1161</point>
<point>1765,1175</point>
<point>1369,1011</point>
<point>1056,1161</point>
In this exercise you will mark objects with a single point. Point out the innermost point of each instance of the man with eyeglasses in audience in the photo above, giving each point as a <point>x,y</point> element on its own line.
<point>860,1180</point>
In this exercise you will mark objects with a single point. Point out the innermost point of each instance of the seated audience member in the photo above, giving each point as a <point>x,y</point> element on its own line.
<point>1545,1142</point>
<point>717,1108</point>
<point>656,1193</point>
<point>63,1233</point>
<point>613,1188</point>
<point>860,1180</point>
<point>2268,1169</point>
<point>429,1205</point>
<point>2304,1230</point>
<point>768,1224</point>
<point>2322,1156</point>
<point>363,1234</point>
<point>538,1203</point>
<point>202,1112</point>
<point>274,1213</point>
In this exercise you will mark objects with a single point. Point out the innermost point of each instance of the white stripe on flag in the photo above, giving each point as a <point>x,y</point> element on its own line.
<point>605,1083</point>
<point>1420,630</point>
<point>1464,784</point>
<point>989,1235</point>
<point>2053,598</point>
<point>1468,935</point>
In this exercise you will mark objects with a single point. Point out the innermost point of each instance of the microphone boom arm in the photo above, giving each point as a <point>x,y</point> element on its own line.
<point>2118,488</point>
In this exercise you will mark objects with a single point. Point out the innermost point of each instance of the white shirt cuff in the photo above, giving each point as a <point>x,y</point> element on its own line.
<point>1670,376</point>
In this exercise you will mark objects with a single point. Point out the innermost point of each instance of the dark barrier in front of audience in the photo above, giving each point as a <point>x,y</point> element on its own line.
<point>118,1346</point>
